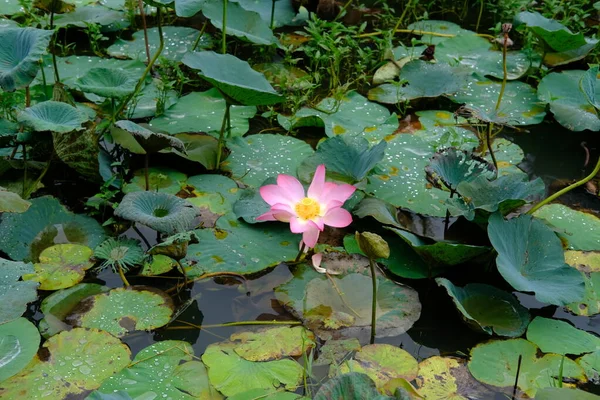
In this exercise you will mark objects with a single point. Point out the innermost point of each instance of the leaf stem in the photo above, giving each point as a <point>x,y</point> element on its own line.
<point>272,24</point>
<point>504,70</point>
<point>122,275</point>
<point>224,29</point>
<point>566,190</point>
<point>479,16</point>
<point>200,35</point>
<point>143,15</point>
<point>222,134</point>
<point>374,300</point>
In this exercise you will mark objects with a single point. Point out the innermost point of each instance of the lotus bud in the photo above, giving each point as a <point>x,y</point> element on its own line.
<point>373,245</point>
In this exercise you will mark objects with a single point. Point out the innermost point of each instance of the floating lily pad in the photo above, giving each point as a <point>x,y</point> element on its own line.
<point>15,293</point>
<point>449,167</point>
<point>109,20</point>
<point>496,363</point>
<point>382,363</point>
<point>350,386</point>
<point>19,342</point>
<point>353,114</point>
<point>440,130</point>
<point>151,101</point>
<point>20,52</point>
<point>46,223</point>
<point>59,304</point>
<point>231,374</point>
<point>552,32</point>
<point>421,79</point>
<point>123,310</point>
<point>203,112</point>
<point>62,266</point>
<point>217,193</point>
<point>343,312</point>
<point>580,230</point>
<point>160,211</point>
<point>233,77</point>
<point>589,265</point>
<point>558,393</point>
<point>52,116</point>
<point>530,258</point>
<point>488,309</point>
<point>336,351</point>
<point>241,23</point>
<point>266,394</point>
<point>255,158</point>
<point>161,179</point>
<point>12,202</point>
<point>178,41</point>
<point>568,102</point>
<point>167,368</point>
<point>235,246</point>
<point>560,337</point>
<point>519,106</point>
<point>591,364</point>
<point>273,343</point>
<point>157,265</point>
<point>107,82</point>
<point>425,28</point>
<point>250,204</point>
<point>76,362</point>
<point>554,59</point>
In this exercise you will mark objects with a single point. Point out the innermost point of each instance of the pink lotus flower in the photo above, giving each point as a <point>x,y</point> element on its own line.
<point>307,213</point>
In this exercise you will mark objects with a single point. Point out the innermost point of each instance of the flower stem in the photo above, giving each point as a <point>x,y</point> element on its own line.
<point>122,275</point>
<point>222,134</point>
<point>374,301</point>
<point>302,247</point>
<point>504,71</point>
<point>566,190</point>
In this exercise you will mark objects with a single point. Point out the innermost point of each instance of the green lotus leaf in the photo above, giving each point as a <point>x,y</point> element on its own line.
<point>178,41</point>
<point>140,140</point>
<point>19,342</point>
<point>250,203</point>
<point>76,362</point>
<point>118,395</point>
<point>79,150</point>
<point>241,23</point>
<point>440,253</point>
<point>382,363</point>
<point>440,129</point>
<point>188,8</point>
<point>424,27</point>
<point>157,265</point>
<point>44,224</point>
<point>346,158</point>
<point>591,364</point>
<point>20,52</point>
<point>283,13</point>
<point>123,310</point>
<point>273,343</point>
<point>266,394</point>
<point>310,298</point>
<point>200,148</point>
<point>109,20</point>
<point>175,246</point>
<point>235,246</point>
<point>336,351</point>
<point>530,258</point>
<point>107,82</point>
<point>15,293</point>
<point>12,7</point>
<point>449,167</point>
<point>231,374</point>
<point>233,77</point>
<point>496,363</point>
<point>350,386</point>
<point>187,116</point>
<point>54,6</point>
<point>560,337</point>
<point>578,229</point>
<point>162,212</point>
<point>58,305</point>
<point>488,309</point>
<point>52,116</point>
<point>558,393</point>
<point>569,56</point>
<point>12,202</point>
<point>552,32</point>
<point>255,158</point>
<point>214,194</point>
<point>353,114</point>
<point>62,266</point>
<point>152,101</point>
<point>569,104</point>
<point>119,254</point>
<point>589,264</point>
<point>180,376</point>
<point>422,79</point>
<point>161,179</point>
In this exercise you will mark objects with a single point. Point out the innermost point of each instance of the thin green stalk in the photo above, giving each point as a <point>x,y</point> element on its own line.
<point>222,134</point>
<point>24,168</point>
<point>146,168</point>
<point>38,180</point>
<point>200,35</point>
<point>122,275</point>
<point>566,190</point>
<point>44,82</point>
<point>238,323</point>
<point>401,19</point>
<point>479,16</point>
<point>144,26</point>
<point>302,247</point>
<point>374,300</point>
<point>54,64</point>
<point>504,71</point>
<point>224,29</point>
<point>343,9</point>
<point>488,139</point>
<point>272,24</point>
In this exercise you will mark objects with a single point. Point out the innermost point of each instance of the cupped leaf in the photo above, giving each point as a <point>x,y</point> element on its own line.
<point>552,32</point>
<point>497,362</point>
<point>19,342</point>
<point>200,148</point>
<point>15,293</point>
<point>283,11</point>
<point>560,337</point>
<point>46,223</point>
<point>109,20</point>
<point>449,167</point>
<point>188,8</point>
<point>578,229</point>
<point>123,310</point>
<point>12,202</point>
<point>160,211</point>
<point>350,386</point>
<point>488,309</point>
<point>186,116</point>
<point>52,116</point>
<point>20,53</point>
<point>555,59</point>
<point>62,266</point>
<point>233,77</point>
<point>160,179</point>
<point>255,158</point>
<point>273,343</point>
<point>107,82</point>
<point>140,140</point>
<point>76,362</point>
<point>179,375</point>
<point>231,374</point>
<point>119,254</point>
<point>175,246</point>
<point>530,258</point>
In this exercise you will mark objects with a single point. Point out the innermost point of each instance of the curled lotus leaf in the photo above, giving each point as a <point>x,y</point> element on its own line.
<point>160,211</point>
<point>107,82</point>
<point>140,140</point>
<point>449,167</point>
<point>175,246</point>
<point>53,116</point>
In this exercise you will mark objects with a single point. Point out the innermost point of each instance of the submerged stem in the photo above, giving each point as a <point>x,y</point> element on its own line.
<point>374,300</point>
<point>566,190</point>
